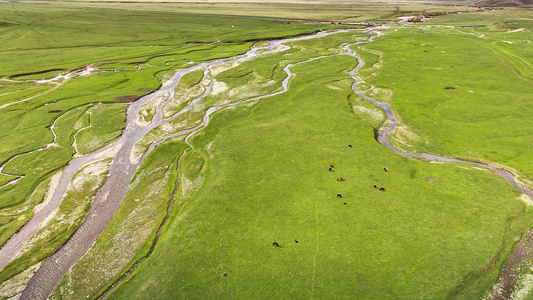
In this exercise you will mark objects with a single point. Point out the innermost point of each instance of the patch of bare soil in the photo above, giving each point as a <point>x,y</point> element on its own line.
<point>510,273</point>
<point>127,98</point>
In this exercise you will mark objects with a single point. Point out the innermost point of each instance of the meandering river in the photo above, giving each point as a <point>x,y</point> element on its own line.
<point>124,166</point>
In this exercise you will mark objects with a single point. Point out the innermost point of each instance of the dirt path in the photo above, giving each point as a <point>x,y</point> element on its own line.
<point>57,85</point>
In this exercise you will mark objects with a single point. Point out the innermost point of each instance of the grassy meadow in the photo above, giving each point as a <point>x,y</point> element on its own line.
<point>258,173</point>
<point>437,231</point>
<point>82,277</point>
<point>130,233</point>
<point>490,68</point>
<point>46,41</point>
<point>218,242</point>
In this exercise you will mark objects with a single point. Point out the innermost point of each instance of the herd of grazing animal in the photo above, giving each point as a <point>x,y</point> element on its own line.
<point>331,169</point>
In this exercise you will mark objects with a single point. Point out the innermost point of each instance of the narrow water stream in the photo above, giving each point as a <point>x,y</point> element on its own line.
<point>384,134</point>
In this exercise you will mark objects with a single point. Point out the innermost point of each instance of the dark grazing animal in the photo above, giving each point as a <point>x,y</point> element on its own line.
<point>275,244</point>
<point>382,189</point>
<point>339,196</point>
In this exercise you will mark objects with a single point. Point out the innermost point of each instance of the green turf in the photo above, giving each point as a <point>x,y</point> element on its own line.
<point>434,226</point>
<point>107,122</point>
<point>258,173</point>
<point>485,116</point>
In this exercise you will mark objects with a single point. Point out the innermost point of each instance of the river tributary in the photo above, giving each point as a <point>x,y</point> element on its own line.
<point>124,166</point>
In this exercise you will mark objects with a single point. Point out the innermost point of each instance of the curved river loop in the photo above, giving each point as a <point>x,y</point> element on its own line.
<point>124,166</point>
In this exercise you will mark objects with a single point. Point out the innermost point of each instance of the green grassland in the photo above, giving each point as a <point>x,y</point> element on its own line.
<point>71,213</point>
<point>259,172</point>
<point>109,122</point>
<point>243,81</point>
<point>63,38</point>
<point>46,41</point>
<point>83,278</point>
<point>232,208</point>
<point>436,230</point>
<point>486,115</point>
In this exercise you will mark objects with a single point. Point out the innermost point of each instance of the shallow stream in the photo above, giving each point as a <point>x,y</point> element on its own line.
<point>124,165</point>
